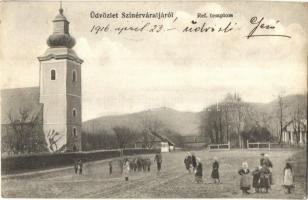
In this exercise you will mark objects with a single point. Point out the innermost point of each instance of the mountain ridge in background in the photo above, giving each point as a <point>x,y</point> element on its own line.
<point>188,123</point>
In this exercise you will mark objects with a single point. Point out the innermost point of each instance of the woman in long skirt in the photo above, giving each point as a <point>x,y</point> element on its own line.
<point>198,171</point>
<point>215,172</point>
<point>245,178</point>
<point>126,169</point>
<point>264,178</point>
<point>288,178</point>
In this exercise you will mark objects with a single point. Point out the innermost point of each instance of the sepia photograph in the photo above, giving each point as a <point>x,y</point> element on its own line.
<point>153,99</point>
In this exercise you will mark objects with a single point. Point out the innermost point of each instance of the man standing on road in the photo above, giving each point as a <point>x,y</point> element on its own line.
<point>158,159</point>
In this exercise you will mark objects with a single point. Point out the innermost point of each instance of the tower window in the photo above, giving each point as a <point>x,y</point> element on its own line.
<point>74,112</point>
<point>74,132</point>
<point>53,74</point>
<point>74,76</point>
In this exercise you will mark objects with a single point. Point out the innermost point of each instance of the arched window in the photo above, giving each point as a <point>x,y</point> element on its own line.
<point>53,74</point>
<point>74,112</point>
<point>74,132</point>
<point>74,76</point>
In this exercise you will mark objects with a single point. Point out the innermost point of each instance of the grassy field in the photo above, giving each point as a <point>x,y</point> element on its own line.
<point>173,182</point>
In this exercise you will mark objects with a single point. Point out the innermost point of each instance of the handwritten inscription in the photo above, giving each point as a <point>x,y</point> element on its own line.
<point>208,28</point>
<point>260,25</point>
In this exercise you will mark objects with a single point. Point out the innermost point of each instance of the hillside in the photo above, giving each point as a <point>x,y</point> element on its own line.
<point>184,123</point>
<point>188,123</point>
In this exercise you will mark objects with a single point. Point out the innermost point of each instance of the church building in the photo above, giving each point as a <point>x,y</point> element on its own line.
<point>58,97</point>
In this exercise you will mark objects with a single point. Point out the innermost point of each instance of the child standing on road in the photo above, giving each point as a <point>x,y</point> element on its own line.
<point>126,169</point>
<point>245,180</point>
<point>215,172</point>
<point>256,179</point>
<point>288,178</point>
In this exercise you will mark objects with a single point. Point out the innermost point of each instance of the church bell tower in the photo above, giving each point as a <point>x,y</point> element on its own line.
<point>60,89</point>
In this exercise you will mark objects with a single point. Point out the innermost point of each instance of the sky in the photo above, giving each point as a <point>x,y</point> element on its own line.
<point>135,71</point>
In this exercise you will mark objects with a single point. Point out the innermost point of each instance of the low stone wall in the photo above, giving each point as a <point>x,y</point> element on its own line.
<point>24,163</point>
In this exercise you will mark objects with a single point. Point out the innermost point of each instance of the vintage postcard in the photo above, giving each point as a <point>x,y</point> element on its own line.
<point>153,99</point>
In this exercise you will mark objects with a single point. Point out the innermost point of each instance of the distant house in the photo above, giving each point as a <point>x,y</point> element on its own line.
<point>295,132</point>
<point>160,142</point>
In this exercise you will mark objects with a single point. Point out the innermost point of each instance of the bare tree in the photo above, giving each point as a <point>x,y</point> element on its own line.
<point>298,115</point>
<point>26,134</point>
<point>280,114</point>
<point>123,135</point>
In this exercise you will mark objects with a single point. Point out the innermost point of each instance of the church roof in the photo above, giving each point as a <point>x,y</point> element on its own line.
<point>13,100</point>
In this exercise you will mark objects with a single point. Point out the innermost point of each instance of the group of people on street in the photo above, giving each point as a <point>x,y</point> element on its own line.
<point>138,164</point>
<point>78,164</point>
<point>262,177</point>
<point>194,164</point>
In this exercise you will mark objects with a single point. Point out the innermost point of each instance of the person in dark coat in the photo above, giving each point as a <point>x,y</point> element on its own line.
<point>139,164</point>
<point>245,180</point>
<point>215,172</point>
<point>121,165</point>
<point>198,171</point>
<point>269,165</point>
<point>188,162</point>
<point>158,159</point>
<point>264,178</point>
<point>110,167</point>
<point>76,166</point>
<point>80,165</point>
<point>256,179</point>
<point>193,161</point>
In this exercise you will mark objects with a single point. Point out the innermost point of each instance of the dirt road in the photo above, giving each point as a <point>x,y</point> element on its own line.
<point>173,182</point>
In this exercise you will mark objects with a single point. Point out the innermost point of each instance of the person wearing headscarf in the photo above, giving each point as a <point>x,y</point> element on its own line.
<point>215,172</point>
<point>288,178</point>
<point>198,171</point>
<point>126,169</point>
<point>188,162</point>
<point>269,165</point>
<point>245,179</point>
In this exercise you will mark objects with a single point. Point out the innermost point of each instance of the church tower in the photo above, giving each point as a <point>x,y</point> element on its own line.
<point>60,89</point>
